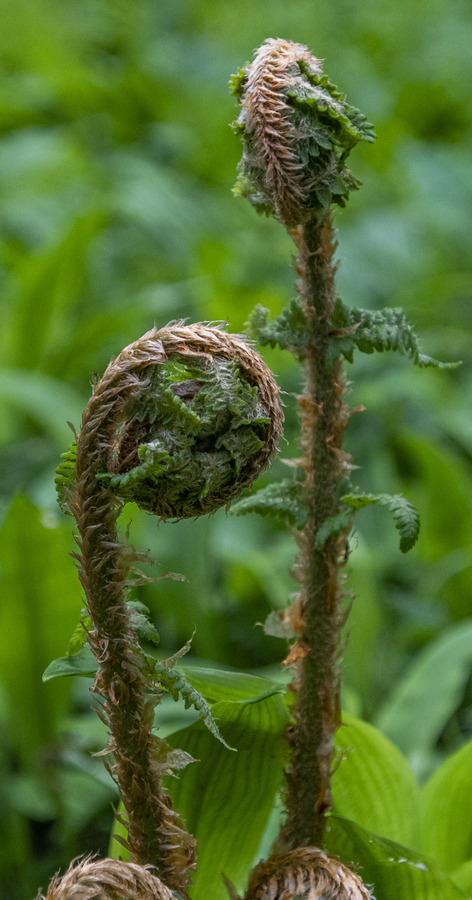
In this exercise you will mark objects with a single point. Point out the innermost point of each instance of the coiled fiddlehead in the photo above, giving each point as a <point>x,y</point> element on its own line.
<point>309,874</point>
<point>182,420</point>
<point>106,879</point>
<point>194,417</point>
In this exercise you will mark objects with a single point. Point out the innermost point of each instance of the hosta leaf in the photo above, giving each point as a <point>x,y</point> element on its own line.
<point>226,798</point>
<point>37,614</point>
<point>393,870</point>
<point>463,877</point>
<point>422,700</point>
<point>373,784</point>
<point>446,817</point>
<point>229,684</point>
<point>81,663</point>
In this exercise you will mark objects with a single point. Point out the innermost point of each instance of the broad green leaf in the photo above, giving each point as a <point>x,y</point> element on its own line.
<point>373,784</point>
<point>47,400</point>
<point>41,594</point>
<point>229,684</point>
<point>49,298</point>
<point>393,871</point>
<point>422,701</point>
<point>226,798</point>
<point>81,663</point>
<point>463,877</point>
<point>446,811</point>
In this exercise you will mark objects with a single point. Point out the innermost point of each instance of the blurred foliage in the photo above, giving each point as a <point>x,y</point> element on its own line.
<point>116,167</point>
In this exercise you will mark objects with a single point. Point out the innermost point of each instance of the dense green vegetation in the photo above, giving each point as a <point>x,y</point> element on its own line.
<point>116,167</point>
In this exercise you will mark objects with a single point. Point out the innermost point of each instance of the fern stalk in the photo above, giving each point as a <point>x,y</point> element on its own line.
<point>155,834</point>
<point>317,682</point>
<point>297,131</point>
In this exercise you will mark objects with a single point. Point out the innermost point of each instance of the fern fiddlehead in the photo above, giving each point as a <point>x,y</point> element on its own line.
<point>106,879</point>
<point>297,131</point>
<point>307,873</point>
<point>181,421</point>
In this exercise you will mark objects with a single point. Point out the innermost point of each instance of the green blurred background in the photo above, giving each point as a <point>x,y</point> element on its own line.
<point>116,212</point>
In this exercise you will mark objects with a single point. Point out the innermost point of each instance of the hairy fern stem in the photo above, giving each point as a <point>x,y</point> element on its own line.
<point>316,683</point>
<point>155,834</point>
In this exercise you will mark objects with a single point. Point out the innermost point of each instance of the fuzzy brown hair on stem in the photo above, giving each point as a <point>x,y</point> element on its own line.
<point>315,655</point>
<point>181,421</point>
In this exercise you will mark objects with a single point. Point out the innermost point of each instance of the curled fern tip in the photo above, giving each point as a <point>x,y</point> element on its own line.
<point>297,130</point>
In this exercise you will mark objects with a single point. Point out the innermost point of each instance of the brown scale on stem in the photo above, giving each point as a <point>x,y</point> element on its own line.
<point>120,683</point>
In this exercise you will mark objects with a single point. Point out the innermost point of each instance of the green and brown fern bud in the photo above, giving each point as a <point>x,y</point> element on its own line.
<point>308,874</point>
<point>297,131</point>
<point>106,879</point>
<point>192,417</point>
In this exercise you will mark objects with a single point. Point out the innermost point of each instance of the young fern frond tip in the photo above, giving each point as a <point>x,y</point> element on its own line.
<point>306,873</point>
<point>200,420</point>
<point>297,132</point>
